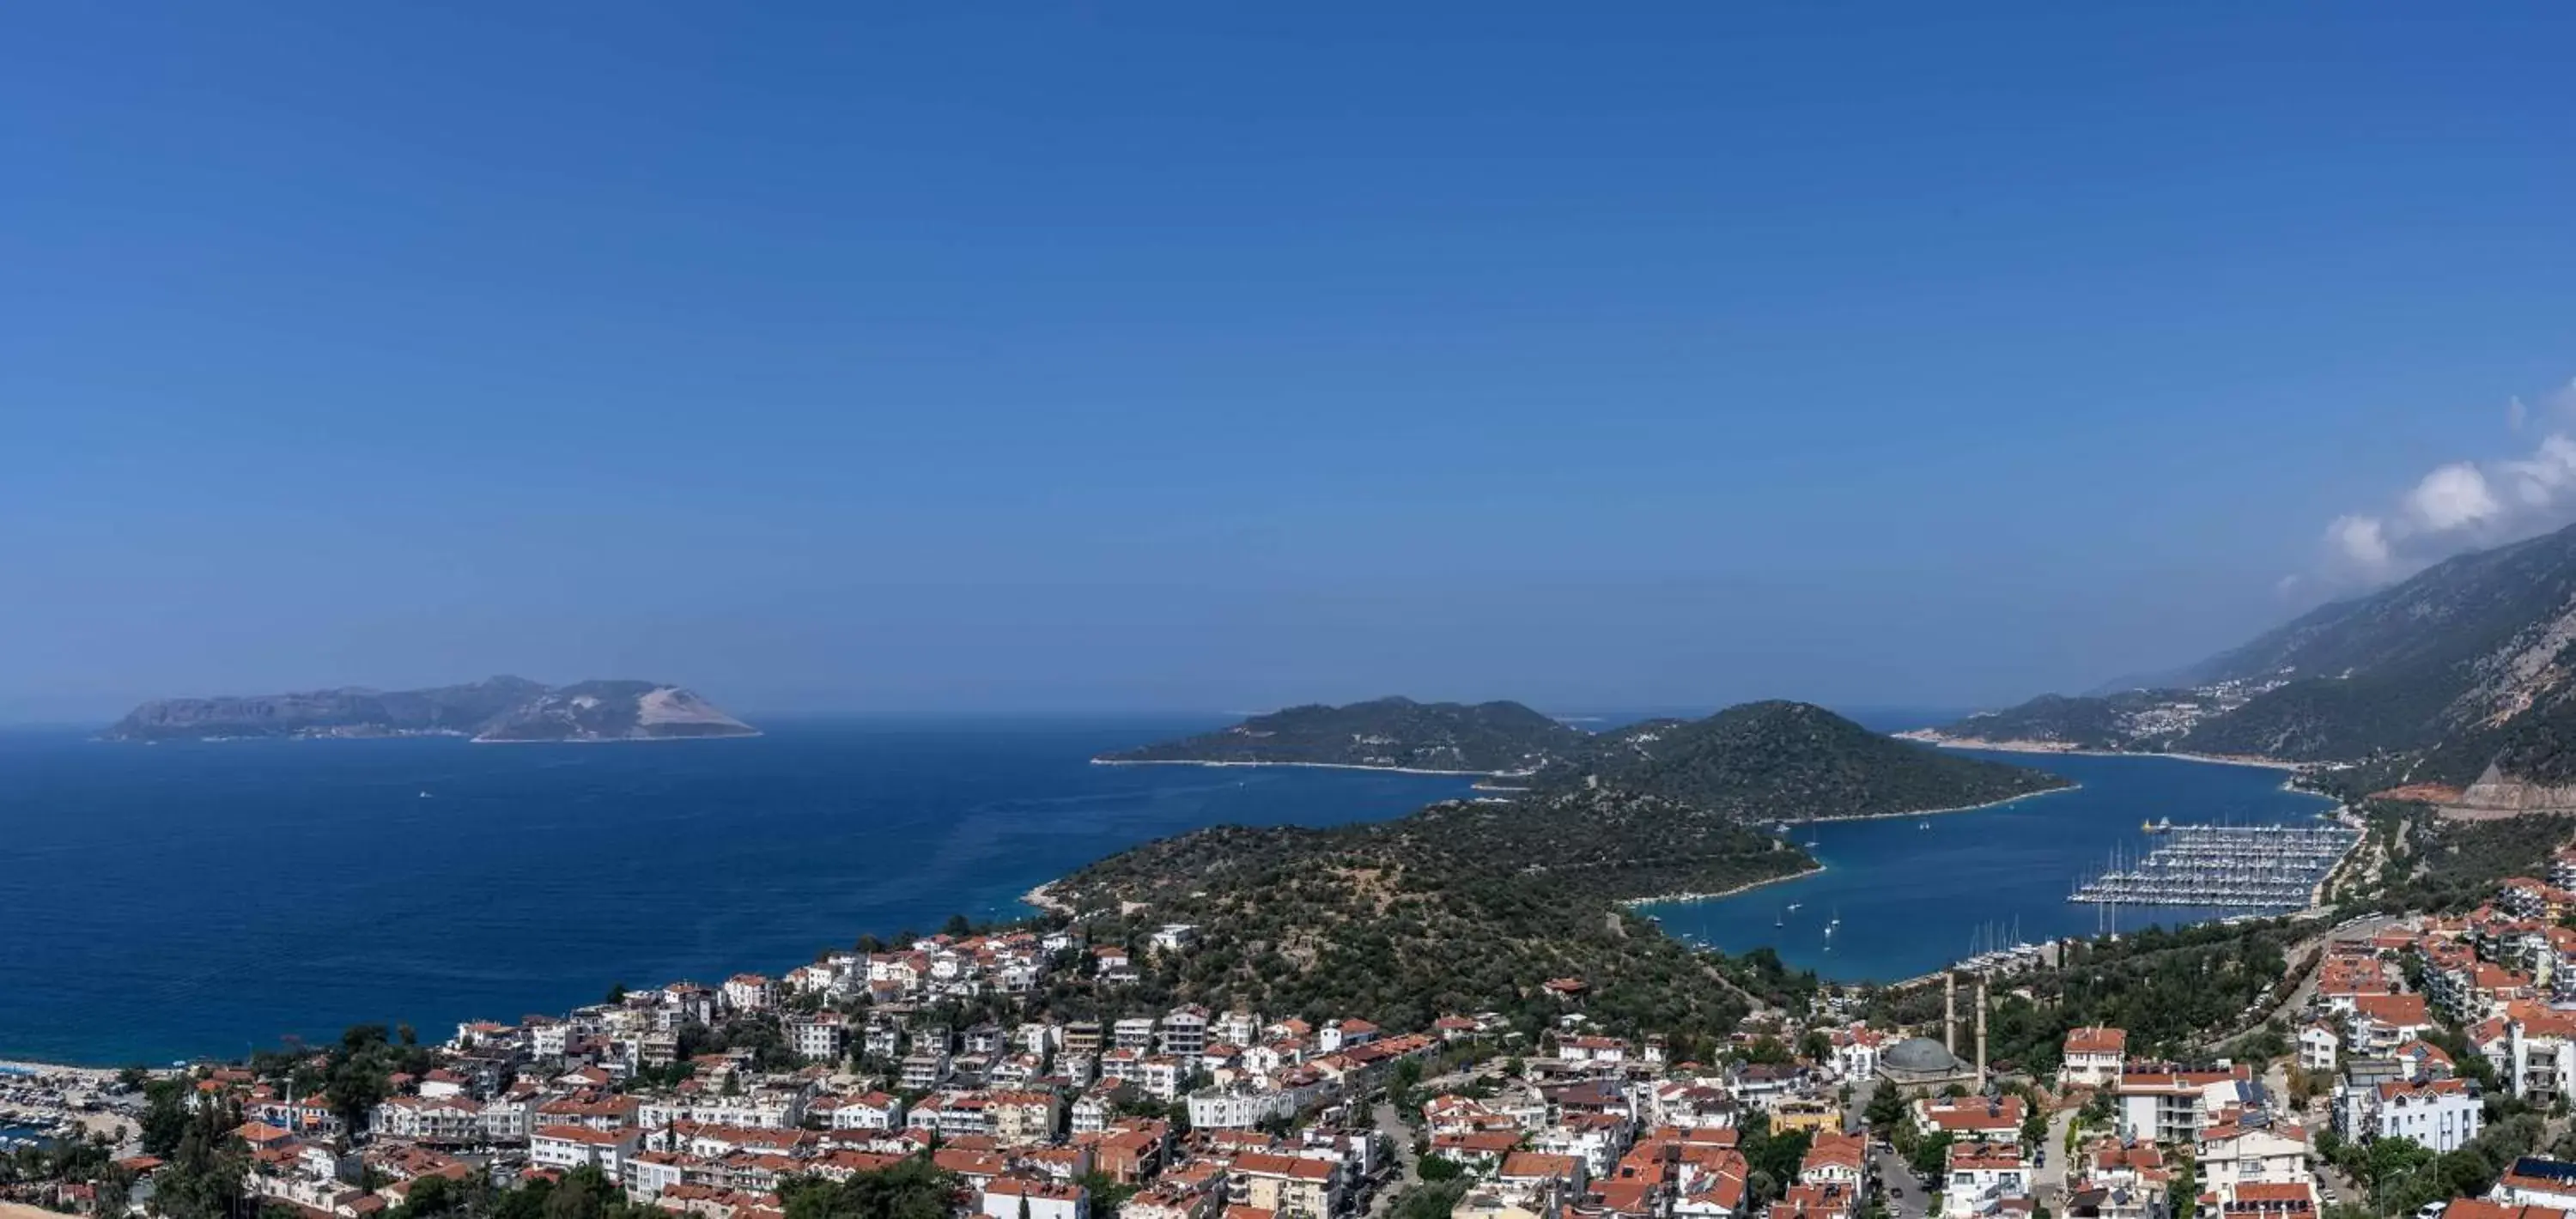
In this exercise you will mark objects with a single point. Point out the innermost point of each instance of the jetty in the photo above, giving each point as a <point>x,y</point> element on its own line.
<point>2244,867</point>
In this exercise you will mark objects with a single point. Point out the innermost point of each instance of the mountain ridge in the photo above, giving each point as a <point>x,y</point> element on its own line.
<point>2464,671</point>
<point>1391,733</point>
<point>1779,760</point>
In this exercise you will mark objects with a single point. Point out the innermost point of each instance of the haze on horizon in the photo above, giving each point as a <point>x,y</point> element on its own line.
<point>1041,357</point>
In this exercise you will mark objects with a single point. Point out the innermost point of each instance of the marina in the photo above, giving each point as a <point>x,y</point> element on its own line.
<point>1987,881</point>
<point>2243,867</point>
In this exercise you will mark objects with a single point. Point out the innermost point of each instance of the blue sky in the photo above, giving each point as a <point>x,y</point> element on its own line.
<point>1067,356</point>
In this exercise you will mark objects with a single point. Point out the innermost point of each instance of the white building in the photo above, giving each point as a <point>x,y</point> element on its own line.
<point>871,1111</point>
<point>2233,1155</point>
<point>1239,1109</point>
<point>2317,1046</point>
<point>1022,1198</point>
<point>429,1119</point>
<point>2093,1057</point>
<point>570,1147</point>
<point>922,1072</point>
<point>2540,1053</point>
<point>1134,1033</point>
<point>822,1037</point>
<point>1981,1176</point>
<point>2441,1114</point>
<point>1184,1032</point>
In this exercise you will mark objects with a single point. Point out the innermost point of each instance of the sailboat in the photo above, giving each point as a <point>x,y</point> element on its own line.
<point>1781,921</point>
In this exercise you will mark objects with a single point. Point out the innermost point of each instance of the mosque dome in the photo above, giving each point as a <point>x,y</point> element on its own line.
<point>1920,1055</point>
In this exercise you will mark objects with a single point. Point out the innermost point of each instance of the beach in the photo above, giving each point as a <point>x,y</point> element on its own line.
<point>1660,899</point>
<point>1936,812</point>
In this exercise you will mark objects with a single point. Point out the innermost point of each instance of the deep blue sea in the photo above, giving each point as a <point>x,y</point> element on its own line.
<point>165,901</point>
<point>1912,898</point>
<point>169,901</point>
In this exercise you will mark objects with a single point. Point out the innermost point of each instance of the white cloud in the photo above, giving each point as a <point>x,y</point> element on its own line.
<point>2452,497</point>
<point>2464,505</point>
<point>2362,541</point>
<point>2539,480</point>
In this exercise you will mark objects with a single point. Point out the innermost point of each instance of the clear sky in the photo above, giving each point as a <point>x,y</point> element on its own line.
<point>1129,355</point>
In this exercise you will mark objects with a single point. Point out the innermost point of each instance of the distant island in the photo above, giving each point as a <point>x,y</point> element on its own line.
<point>1382,734</point>
<point>500,709</point>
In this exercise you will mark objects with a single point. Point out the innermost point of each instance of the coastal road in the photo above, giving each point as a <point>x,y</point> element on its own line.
<point>2297,1000</point>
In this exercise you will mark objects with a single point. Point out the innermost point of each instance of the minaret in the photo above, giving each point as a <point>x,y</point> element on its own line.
<point>1981,1032</point>
<point>1950,1013</point>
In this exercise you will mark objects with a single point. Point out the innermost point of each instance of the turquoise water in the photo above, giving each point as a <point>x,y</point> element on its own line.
<point>1912,899</point>
<point>165,901</point>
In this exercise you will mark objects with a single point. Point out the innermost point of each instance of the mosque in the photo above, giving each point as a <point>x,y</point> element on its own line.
<point>1924,1065</point>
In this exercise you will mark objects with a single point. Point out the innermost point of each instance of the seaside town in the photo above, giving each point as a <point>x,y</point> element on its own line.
<point>2405,1064</point>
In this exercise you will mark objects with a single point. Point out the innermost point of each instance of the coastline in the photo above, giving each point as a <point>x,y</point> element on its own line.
<point>95,1075</point>
<point>2071,785</point>
<point>1679,898</point>
<point>1388,770</point>
<point>611,740</point>
<point>1043,898</point>
<point>1925,736</point>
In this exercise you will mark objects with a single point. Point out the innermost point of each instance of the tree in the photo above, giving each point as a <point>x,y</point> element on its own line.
<point>958,927</point>
<point>1107,1194</point>
<point>430,1194</point>
<point>585,1193</point>
<point>1931,1156</point>
<point>1885,1109</point>
<point>1429,1200</point>
<point>355,1088</point>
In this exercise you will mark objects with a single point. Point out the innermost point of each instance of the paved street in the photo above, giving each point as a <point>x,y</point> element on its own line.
<point>1905,1199</point>
<point>1399,1140</point>
<point>2049,1180</point>
<point>2297,1000</point>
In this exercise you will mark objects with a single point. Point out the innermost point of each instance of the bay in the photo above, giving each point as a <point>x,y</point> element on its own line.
<point>1914,894</point>
<point>167,901</point>
<point>159,902</point>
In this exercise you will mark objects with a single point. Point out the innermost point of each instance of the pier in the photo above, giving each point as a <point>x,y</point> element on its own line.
<point>2246,867</point>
